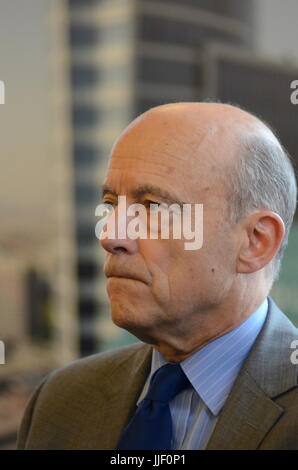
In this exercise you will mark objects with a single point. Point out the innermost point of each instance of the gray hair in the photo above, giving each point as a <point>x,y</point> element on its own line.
<point>264,177</point>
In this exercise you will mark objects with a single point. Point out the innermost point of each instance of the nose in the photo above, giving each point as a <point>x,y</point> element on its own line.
<point>116,245</point>
<point>115,239</point>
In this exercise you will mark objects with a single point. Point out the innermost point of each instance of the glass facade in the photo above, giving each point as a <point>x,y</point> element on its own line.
<point>165,71</point>
<point>166,30</point>
<point>83,3</point>
<point>263,90</point>
<point>87,269</point>
<point>83,35</point>
<point>235,9</point>
<point>85,115</point>
<point>85,155</point>
<point>85,193</point>
<point>161,32</point>
<point>84,75</point>
<point>85,234</point>
<point>89,307</point>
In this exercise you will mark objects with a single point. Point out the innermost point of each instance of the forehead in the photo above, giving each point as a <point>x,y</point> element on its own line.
<point>169,151</point>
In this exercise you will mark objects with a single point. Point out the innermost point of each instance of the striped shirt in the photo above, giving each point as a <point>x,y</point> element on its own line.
<point>212,371</point>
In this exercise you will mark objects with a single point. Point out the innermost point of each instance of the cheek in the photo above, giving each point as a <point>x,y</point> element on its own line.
<point>196,272</point>
<point>180,275</point>
<point>161,258</point>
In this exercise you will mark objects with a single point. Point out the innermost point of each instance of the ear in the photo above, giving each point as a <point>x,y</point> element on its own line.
<point>262,233</point>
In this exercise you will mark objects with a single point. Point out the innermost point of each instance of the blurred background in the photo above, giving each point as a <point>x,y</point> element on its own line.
<point>76,72</point>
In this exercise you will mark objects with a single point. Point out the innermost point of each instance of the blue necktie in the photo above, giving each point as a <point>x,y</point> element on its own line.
<point>151,426</point>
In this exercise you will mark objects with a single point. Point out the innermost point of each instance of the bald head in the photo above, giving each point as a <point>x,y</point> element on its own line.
<point>215,130</point>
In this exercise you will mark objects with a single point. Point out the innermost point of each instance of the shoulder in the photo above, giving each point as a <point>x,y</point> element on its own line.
<point>89,375</point>
<point>98,365</point>
<point>279,321</point>
<point>270,360</point>
<point>85,383</point>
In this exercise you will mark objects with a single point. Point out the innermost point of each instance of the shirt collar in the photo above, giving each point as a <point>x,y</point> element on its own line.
<point>213,369</point>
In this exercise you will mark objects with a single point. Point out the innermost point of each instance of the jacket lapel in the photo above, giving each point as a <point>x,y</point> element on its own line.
<point>250,411</point>
<point>245,419</point>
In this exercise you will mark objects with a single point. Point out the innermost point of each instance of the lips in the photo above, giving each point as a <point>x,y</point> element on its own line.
<point>124,277</point>
<point>118,273</point>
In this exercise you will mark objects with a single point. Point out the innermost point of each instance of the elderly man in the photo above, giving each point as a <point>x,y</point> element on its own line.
<point>217,371</point>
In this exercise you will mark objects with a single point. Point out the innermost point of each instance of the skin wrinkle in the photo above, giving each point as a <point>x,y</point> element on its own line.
<point>197,296</point>
<point>142,190</point>
<point>185,200</point>
<point>159,163</point>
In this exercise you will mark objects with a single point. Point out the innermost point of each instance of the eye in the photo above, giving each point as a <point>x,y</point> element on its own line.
<point>108,203</point>
<point>152,204</point>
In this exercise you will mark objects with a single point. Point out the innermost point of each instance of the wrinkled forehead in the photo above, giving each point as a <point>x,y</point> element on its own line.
<point>170,152</point>
<point>175,140</point>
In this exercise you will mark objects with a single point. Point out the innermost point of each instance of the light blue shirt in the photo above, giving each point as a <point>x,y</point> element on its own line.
<point>212,372</point>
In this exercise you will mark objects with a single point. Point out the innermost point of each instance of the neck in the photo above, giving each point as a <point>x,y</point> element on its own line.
<point>176,347</point>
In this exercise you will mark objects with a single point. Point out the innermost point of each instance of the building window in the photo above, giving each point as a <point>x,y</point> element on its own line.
<point>234,9</point>
<point>85,193</point>
<point>88,345</point>
<point>85,155</point>
<point>261,90</point>
<point>39,306</point>
<point>84,116</point>
<point>143,105</point>
<point>165,71</point>
<point>155,29</point>
<point>87,270</point>
<point>83,3</point>
<point>85,234</point>
<point>88,308</point>
<point>83,35</point>
<point>84,76</point>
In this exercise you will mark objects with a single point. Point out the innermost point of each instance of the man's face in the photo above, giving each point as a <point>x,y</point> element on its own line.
<point>155,286</point>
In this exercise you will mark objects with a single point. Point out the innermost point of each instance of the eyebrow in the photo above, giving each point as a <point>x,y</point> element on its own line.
<point>143,189</point>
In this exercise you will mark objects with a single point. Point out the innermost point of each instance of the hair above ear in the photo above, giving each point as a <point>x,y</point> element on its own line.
<point>264,178</point>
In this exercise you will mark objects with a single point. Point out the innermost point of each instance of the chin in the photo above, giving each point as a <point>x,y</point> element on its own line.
<point>121,316</point>
<point>133,324</point>
<point>126,321</point>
